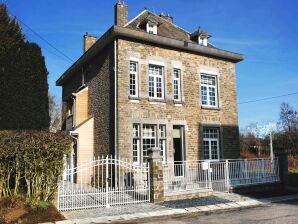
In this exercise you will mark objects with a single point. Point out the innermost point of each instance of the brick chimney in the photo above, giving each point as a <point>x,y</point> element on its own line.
<point>88,41</point>
<point>121,13</point>
<point>167,17</point>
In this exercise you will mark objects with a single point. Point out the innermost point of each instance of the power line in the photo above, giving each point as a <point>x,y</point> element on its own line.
<point>268,98</point>
<point>51,45</point>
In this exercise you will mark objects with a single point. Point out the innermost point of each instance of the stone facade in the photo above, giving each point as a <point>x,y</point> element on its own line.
<point>189,113</point>
<point>99,78</point>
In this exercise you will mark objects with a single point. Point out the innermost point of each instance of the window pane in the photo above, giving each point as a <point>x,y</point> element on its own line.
<point>210,143</point>
<point>158,87</point>
<point>133,79</point>
<point>206,149</point>
<point>149,139</point>
<point>155,81</point>
<point>151,86</point>
<point>162,131</point>
<point>208,90</point>
<point>135,150</point>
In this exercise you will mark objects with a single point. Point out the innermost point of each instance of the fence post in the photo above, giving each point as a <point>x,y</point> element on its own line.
<point>283,168</point>
<point>209,175</point>
<point>107,182</point>
<point>227,175</point>
<point>156,175</point>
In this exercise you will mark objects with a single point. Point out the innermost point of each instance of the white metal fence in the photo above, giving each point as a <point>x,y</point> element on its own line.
<point>104,182</point>
<point>194,176</point>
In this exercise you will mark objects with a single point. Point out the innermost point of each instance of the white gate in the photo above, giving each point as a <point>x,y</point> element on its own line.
<point>104,182</point>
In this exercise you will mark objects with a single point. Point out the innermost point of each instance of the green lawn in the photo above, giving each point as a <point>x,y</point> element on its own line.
<point>293,177</point>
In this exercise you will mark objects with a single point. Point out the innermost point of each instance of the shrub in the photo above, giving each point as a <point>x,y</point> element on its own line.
<point>31,163</point>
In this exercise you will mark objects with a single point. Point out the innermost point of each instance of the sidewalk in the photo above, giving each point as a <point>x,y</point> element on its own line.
<point>218,202</point>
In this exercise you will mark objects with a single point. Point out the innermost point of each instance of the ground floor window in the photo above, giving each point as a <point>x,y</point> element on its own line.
<point>211,143</point>
<point>145,137</point>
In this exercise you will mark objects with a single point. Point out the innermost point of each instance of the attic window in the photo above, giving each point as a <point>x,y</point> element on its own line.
<point>203,40</point>
<point>151,28</point>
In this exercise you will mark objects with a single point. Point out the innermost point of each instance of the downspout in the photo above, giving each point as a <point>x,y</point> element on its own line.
<point>115,98</point>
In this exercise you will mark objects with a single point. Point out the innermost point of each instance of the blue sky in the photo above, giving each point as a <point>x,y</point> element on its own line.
<point>266,32</point>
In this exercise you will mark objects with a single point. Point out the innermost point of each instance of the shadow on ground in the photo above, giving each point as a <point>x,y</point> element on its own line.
<point>209,200</point>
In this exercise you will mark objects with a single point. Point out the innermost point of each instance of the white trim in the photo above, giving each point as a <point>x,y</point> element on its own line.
<point>134,59</point>
<point>177,66</point>
<point>209,71</point>
<point>157,103</point>
<point>136,78</point>
<point>145,10</point>
<point>115,101</point>
<point>82,90</point>
<point>134,101</point>
<point>153,62</point>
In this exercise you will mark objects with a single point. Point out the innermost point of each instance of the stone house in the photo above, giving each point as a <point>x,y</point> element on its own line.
<point>149,83</point>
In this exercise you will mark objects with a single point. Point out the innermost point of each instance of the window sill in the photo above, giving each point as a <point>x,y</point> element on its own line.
<point>178,102</point>
<point>156,100</point>
<point>134,99</point>
<point>210,108</point>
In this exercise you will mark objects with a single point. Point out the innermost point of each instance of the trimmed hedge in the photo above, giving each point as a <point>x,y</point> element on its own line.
<point>31,163</point>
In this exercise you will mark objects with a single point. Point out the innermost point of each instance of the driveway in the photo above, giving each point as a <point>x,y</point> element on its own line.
<point>284,212</point>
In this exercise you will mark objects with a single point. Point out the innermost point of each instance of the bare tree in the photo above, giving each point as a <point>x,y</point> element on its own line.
<point>288,120</point>
<point>55,114</point>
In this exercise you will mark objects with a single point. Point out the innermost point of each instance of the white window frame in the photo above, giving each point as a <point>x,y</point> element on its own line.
<point>209,140</point>
<point>136,76</point>
<point>151,29</point>
<point>162,141</point>
<point>208,90</point>
<point>155,77</point>
<point>136,142</point>
<point>178,79</point>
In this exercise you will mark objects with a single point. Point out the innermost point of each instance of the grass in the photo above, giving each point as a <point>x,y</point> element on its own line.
<point>293,171</point>
<point>293,177</point>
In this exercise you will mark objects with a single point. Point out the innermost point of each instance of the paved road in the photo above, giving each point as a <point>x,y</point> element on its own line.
<point>284,212</point>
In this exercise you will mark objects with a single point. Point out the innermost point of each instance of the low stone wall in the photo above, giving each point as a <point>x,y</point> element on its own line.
<point>257,188</point>
<point>187,195</point>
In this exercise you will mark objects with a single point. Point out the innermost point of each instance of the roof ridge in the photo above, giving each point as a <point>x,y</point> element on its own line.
<point>169,22</point>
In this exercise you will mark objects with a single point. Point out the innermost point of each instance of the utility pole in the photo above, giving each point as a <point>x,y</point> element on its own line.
<point>271,146</point>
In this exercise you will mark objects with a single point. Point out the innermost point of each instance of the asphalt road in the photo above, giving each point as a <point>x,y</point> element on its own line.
<point>283,212</point>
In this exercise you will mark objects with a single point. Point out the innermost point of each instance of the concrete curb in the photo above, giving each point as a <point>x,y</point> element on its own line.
<point>182,211</point>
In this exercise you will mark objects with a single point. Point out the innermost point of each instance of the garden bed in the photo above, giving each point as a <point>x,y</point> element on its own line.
<point>16,210</point>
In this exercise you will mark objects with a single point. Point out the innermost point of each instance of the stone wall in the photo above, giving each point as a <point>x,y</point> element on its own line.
<point>190,113</point>
<point>99,76</point>
<point>100,81</point>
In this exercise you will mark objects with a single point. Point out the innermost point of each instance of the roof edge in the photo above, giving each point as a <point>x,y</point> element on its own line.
<point>117,31</point>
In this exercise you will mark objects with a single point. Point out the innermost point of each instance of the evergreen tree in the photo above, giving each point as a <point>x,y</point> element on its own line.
<point>23,79</point>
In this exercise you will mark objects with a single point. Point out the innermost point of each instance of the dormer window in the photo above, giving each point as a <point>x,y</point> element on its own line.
<point>202,41</point>
<point>151,28</point>
<point>200,36</point>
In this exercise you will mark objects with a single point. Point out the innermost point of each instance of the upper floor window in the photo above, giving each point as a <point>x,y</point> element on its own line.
<point>177,84</point>
<point>209,90</point>
<point>211,143</point>
<point>151,28</point>
<point>133,79</point>
<point>156,81</point>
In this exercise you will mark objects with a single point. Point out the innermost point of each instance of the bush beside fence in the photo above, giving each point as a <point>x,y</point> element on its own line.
<point>31,163</point>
